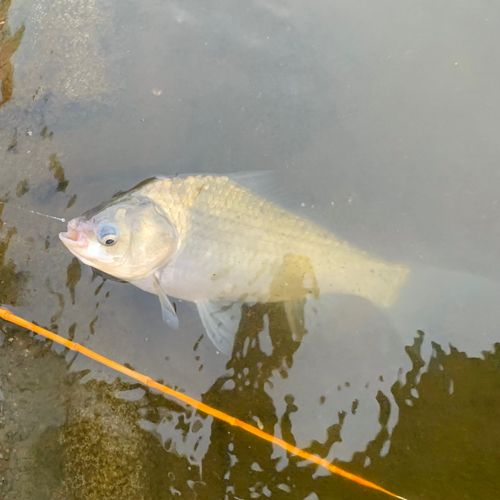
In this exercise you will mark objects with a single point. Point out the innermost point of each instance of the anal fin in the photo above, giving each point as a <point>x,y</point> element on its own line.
<point>221,320</point>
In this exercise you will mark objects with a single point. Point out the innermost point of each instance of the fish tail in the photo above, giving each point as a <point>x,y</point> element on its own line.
<point>450,308</point>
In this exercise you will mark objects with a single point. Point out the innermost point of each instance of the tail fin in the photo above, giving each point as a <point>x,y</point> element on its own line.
<point>451,308</point>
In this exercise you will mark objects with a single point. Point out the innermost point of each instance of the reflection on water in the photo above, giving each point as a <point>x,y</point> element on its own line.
<point>442,414</point>
<point>120,439</point>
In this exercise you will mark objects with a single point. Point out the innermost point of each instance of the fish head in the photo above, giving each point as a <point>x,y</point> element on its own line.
<point>129,239</point>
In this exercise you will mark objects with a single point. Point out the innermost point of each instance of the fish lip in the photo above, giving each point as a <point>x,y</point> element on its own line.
<point>75,235</point>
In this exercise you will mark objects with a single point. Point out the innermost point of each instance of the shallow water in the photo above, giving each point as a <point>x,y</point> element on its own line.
<point>380,120</point>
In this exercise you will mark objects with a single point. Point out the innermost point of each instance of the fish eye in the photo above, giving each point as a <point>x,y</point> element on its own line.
<point>108,235</point>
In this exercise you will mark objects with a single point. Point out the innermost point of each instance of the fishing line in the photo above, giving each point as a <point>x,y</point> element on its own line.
<point>62,219</point>
<point>8,316</point>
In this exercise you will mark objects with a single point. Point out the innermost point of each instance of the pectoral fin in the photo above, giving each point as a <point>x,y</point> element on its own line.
<point>221,320</point>
<point>167,309</point>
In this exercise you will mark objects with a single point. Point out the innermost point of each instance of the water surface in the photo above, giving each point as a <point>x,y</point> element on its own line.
<point>380,120</point>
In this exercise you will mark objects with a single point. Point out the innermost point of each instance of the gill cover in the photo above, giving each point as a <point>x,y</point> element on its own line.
<point>143,237</point>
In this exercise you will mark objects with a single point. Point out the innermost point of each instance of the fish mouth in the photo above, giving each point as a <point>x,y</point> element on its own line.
<point>75,234</point>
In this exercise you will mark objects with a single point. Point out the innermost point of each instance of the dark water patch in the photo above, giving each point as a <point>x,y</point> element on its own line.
<point>22,188</point>
<point>71,201</point>
<point>73,275</point>
<point>12,282</point>
<point>59,176</point>
<point>45,134</point>
<point>57,316</point>
<point>12,148</point>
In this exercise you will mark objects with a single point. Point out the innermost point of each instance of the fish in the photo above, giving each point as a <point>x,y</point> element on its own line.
<point>215,240</point>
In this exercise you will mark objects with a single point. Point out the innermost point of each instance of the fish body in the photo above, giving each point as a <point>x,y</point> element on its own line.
<point>233,243</point>
<point>211,240</point>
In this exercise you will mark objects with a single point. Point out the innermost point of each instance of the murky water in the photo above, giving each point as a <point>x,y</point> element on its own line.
<point>379,119</point>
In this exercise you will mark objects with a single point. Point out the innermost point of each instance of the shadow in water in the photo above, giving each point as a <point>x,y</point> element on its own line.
<point>232,453</point>
<point>442,441</point>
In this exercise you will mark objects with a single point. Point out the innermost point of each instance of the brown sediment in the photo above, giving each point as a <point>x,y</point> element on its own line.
<point>8,45</point>
<point>12,282</point>
<point>63,440</point>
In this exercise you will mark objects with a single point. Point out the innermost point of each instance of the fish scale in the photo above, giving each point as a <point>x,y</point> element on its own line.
<point>225,229</point>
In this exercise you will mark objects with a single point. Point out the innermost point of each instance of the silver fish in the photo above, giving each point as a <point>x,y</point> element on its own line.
<point>211,240</point>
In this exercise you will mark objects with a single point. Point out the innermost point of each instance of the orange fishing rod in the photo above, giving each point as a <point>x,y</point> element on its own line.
<point>8,316</point>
